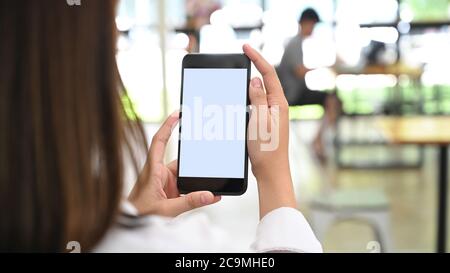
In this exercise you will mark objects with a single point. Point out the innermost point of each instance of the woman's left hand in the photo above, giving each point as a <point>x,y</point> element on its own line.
<point>156,190</point>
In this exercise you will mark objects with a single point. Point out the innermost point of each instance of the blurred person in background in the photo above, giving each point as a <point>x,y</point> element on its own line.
<point>198,13</point>
<point>292,72</point>
<point>65,138</point>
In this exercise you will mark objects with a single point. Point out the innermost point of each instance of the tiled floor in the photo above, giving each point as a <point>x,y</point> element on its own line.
<point>411,193</point>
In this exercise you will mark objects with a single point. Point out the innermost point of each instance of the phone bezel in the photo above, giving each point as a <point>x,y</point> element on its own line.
<point>218,186</point>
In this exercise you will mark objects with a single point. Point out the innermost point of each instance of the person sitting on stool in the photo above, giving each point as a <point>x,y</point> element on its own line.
<point>292,71</point>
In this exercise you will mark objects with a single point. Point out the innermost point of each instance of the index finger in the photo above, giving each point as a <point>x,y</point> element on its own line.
<point>271,81</point>
<point>160,139</point>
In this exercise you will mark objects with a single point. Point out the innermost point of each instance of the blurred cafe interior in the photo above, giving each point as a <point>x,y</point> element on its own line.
<point>381,180</point>
<point>381,183</point>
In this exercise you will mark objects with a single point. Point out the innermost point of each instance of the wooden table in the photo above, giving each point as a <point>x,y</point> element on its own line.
<point>430,130</point>
<point>398,70</point>
<point>395,69</point>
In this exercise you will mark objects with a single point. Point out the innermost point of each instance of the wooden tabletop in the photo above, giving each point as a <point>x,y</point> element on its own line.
<point>396,69</point>
<point>432,130</point>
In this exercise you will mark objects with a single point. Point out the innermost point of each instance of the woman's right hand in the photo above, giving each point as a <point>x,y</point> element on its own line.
<point>268,137</point>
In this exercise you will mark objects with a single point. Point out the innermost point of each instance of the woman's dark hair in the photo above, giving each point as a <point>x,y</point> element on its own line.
<point>63,131</point>
<point>309,14</point>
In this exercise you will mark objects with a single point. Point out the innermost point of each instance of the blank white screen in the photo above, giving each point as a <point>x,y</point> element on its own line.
<point>201,156</point>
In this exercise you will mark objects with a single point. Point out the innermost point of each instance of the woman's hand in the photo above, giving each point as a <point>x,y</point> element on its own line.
<point>156,190</point>
<point>268,137</point>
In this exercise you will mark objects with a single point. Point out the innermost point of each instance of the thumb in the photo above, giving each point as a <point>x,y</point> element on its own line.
<point>256,93</point>
<point>258,100</point>
<point>193,200</point>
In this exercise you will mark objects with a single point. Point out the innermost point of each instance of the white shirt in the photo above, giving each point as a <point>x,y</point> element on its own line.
<point>281,230</point>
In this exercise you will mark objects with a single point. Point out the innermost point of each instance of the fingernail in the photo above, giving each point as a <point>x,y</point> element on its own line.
<point>205,198</point>
<point>256,82</point>
<point>174,125</point>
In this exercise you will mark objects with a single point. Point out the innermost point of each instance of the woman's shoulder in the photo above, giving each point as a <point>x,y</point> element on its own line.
<point>192,232</point>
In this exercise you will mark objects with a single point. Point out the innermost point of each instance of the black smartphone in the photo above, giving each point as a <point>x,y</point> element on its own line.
<point>212,146</point>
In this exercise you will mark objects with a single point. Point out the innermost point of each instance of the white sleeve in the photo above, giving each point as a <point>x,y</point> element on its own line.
<point>285,230</point>
<point>281,230</point>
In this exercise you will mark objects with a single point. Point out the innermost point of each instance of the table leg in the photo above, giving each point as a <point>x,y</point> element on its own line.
<point>442,201</point>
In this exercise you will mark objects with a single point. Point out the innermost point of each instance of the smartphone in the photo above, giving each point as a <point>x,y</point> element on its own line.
<point>212,146</point>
